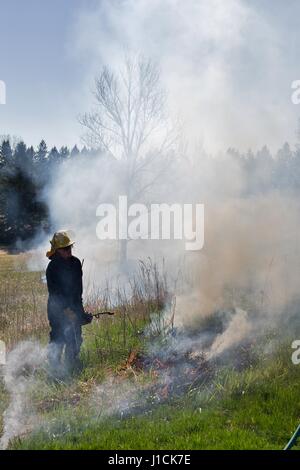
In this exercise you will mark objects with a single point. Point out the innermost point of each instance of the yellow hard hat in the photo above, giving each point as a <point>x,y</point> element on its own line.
<point>60,240</point>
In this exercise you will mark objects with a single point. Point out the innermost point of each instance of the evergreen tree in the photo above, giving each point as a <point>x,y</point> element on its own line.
<point>20,156</point>
<point>6,153</point>
<point>264,169</point>
<point>282,175</point>
<point>21,212</point>
<point>41,154</point>
<point>54,156</point>
<point>30,155</point>
<point>75,151</point>
<point>64,153</point>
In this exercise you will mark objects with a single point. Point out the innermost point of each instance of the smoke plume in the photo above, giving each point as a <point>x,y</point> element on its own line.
<point>23,362</point>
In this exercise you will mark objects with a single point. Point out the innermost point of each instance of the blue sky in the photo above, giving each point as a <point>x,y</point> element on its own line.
<point>50,50</point>
<point>37,66</point>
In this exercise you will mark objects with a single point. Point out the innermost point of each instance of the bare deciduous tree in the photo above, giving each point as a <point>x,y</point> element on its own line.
<point>130,125</point>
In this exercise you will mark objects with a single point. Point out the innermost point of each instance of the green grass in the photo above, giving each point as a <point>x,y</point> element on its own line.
<point>23,300</point>
<point>108,342</point>
<point>256,409</point>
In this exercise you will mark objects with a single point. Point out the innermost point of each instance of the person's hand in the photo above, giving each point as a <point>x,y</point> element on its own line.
<point>88,317</point>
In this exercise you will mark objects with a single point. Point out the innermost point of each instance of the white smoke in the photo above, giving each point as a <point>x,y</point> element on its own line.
<point>218,63</point>
<point>250,260</point>
<point>208,53</point>
<point>23,362</point>
<point>239,327</point>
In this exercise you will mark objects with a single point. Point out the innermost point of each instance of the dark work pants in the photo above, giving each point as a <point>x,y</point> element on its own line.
<point>64,333</point>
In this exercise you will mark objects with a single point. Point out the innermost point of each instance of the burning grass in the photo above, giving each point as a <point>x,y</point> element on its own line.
<point>146,384</point>
<point>107,341</point>
<point>254,409</point>
<point>173,375</point>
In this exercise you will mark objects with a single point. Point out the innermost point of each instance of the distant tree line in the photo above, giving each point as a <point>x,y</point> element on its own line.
<point>24,172</point>
<point>263,171</point>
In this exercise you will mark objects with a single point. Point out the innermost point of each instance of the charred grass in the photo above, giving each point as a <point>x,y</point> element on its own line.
<point>254,408</point>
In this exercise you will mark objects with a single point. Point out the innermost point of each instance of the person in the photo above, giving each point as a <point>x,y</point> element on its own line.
<point>66,314</point>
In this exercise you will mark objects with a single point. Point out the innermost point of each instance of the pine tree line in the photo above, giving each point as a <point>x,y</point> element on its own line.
<point>24,172</point>
<point>263,171</point>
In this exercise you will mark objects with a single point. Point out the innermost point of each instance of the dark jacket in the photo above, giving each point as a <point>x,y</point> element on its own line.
<point>64,281</point>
